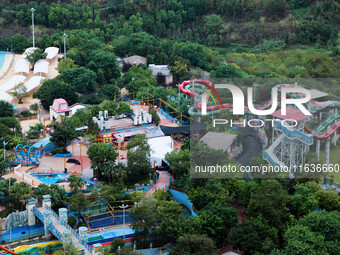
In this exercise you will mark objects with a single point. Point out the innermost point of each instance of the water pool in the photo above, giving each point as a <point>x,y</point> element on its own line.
<point>2,58</point>
<point>49,179</point>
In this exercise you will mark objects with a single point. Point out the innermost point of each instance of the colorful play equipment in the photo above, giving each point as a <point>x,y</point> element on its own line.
<point>31,249</point>
<point>30,155</point>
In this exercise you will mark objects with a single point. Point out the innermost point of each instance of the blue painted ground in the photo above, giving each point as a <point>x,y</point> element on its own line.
<point>106,220</point>
<point>109,235</point>
<point>22,233</point>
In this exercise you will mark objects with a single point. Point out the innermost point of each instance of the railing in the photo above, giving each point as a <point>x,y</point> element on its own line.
<point>56,232</point>
<point>53,212</point>
<point>38,214</point>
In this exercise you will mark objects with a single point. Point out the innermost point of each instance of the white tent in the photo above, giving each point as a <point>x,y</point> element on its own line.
<point>28,51</point>
<point>51,52</point>
<point>15,80</point>
<point>5,96</point>
<point>34,82</point>
<point>22,66</point>
<point>159,147</point>
<point>41,66</point>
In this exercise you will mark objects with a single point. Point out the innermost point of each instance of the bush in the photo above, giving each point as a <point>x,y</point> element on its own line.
<point>72,221</point>
<point>268,45</point>
<point>117,242</point>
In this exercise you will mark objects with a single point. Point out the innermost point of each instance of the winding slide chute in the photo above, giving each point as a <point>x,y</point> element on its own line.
<point>7,250</point>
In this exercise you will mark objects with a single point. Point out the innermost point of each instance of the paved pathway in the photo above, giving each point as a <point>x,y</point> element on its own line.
<point>163,182</point>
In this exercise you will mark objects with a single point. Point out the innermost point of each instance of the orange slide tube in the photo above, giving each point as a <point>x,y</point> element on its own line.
<point>7,250</point>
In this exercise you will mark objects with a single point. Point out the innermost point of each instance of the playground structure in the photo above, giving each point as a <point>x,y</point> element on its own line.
<point>30,155</point>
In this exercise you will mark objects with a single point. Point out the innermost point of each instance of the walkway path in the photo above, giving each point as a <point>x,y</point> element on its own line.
<point>163,182</point>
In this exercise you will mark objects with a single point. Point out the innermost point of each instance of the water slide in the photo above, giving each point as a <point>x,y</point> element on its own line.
<point>292,134</point>
<point>7,250</point>
<point>33,247</point>
<point>326,134</point>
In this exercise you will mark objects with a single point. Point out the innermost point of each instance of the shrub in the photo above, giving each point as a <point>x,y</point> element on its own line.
<point>117,242</point>
<point>72,221</point>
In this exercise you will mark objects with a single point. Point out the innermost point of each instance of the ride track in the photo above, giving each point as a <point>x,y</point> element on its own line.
<point>186,85</point>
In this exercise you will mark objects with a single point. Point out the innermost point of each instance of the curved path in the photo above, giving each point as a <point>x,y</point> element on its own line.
<point>162,183</point>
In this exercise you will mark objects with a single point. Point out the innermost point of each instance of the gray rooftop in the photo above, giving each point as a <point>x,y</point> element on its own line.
<point>218,141</point>
<point>162,69</point>
<point>135,60</point>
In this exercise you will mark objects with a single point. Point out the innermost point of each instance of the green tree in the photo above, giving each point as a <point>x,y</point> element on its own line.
<point>68,249</point>
<point>145,216</point>
<point>65,64</point>
<point>20,91</point>
<point>63,133</point>
<point>19,43</point>
<point>179,162</point>
<point>136,78</point>
<point>217,220</point>
<point>300,240</point>
<point>54,88</point>
<point>108,91</point>
<point>270,202</point>
<point>213,24</point>
<point>35,55</point>
<point>79,203</point>
<point>21,191</point>
<point>195,244</point>
<point>99,154</point>
<point>6,109</point>
<point>34,107</point>
<point>117,242</point>
<point>179,69</point>
<point>138,157</point>
<point>254,236</point>
<point>34,131</point>
<point>75,182</point>
<point>154,114</point>
<point>106,62</point>
<point>81,78</point>
<point>227,71</point>
<point>303,201</point>
<point>114,172</point>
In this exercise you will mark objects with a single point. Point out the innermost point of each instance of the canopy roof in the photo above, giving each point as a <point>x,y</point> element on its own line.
<point>5,96</point>
<point>60,105</point>
<point>15,80</point>
<point>41,66</point>
<point>292,114</point>
<point>51,52</point>
<point>28,51</point>
<point>34,82</point>
<point>22,66</point>
<point>159,147</point>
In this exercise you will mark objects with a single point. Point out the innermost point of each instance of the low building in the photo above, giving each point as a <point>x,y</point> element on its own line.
<point>135,60</point>
<point>162,70</point>
<point>60,108</point>
<point>220,141</point>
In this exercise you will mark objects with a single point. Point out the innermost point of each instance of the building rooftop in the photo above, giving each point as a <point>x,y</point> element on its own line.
<point>291,115</point>
<point>60,105</point>
<point>160,69</point>
<point>135,60</point>
<point>218,141</point>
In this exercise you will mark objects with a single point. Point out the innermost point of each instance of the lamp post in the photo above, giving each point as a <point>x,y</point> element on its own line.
<point>32,10</point>
<point>64,36</point>
<point>9,179</point>
<point>123,207</point>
